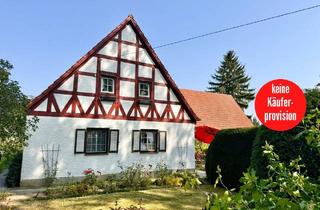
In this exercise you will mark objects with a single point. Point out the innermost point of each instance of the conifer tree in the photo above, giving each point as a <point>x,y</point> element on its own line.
<point>230,78</point>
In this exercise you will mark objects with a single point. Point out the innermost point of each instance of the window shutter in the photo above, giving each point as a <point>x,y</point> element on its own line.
<point>79,141</point>
<point>162,141</point>
<point>113,141</point>
<point>135,141</point>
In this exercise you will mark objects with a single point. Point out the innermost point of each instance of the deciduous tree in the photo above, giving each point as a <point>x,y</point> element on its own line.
<point>15,128</point>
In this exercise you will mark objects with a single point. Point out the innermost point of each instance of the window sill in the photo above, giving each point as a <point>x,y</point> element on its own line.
<point>107,98</point>
<point>148,152</point>
<point>145,101</point>
<point>96,153</point>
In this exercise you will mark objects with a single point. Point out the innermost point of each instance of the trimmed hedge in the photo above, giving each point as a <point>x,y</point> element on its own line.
<point>231,150</point>
<point>13,177</point>
<point>287,147</point>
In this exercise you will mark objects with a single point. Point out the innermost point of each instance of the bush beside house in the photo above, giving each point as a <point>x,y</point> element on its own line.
<point>284,171</point>
<point>13,177</point>
<point>231,150</point>
<point>288,147</point>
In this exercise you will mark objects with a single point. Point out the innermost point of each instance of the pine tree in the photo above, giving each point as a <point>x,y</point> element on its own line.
<point>230,78</point>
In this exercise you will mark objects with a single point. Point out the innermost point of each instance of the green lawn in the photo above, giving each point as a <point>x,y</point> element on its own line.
<point>169,198</point>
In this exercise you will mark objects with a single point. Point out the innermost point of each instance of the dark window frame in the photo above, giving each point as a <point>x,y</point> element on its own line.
<point>165,141</point>
<point>86,138</point>
<point>76,141</point>
<point>108,141</point>
<point>132,144</point>
<point>155,139</point>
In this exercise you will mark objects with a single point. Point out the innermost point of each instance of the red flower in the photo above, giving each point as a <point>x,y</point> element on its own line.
<point>88,171</point>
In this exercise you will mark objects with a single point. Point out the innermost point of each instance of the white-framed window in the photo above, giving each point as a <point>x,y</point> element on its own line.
<point>144,89</point>
<point>148,141</point>
<point>107,85</point>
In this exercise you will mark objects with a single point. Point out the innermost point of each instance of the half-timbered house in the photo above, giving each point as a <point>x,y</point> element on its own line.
<point>116,105</point>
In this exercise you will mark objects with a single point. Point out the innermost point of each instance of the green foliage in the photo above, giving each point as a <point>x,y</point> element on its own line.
<point>200,154</point>
<point>13,176</point>
<point>189,180</point>
<point>286,187</point>
<point>90,177</point>
<point>161,173</point>
<point>231,149</point>
<point>15,128</point>
<point>255,121</point>
<point>72,190</point>
<point>311,125</point>
<point>184,179</point>
<point>5,162</point>
<point>288,147</point>
<point>135,176</point>
<point>4,195</point>
<point>173,180</point>
<point>201,147</point>
<point>230,78</point>
<point>313,99</point>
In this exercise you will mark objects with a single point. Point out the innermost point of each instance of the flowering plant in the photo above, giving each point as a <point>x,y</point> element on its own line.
<point>88,171</point>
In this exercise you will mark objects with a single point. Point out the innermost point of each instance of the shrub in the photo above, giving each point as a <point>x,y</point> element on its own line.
<point>4,163</point>
<point>173,181</point>
<point>90,177</point>
<point>135,176</point>
<point>14,172</point>
<point>313,98</point>
<point>231,150</point>
<point>285,188</point>
<point>72,190</point>
<point>161,173</point>
<point>189,180</point>
<point>287,147</point>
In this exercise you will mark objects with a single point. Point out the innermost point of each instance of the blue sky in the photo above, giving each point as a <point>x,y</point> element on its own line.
<point>44,38</point>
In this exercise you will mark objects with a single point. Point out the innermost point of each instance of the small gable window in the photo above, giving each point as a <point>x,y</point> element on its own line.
<point>107,85</point>
<point>144,89</point>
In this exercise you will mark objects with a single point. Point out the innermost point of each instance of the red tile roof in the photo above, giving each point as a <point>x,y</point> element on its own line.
<point>216,110</point>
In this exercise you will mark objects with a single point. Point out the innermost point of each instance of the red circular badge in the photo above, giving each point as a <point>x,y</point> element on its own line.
<point>280,105</point>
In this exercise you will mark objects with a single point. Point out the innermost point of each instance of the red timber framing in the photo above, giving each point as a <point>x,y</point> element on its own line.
<point>73,107</point>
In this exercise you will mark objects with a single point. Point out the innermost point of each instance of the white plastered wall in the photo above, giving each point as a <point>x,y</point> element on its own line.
<point>61,131</point>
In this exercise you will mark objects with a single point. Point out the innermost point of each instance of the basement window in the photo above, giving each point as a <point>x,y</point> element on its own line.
<point>107,85</point>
